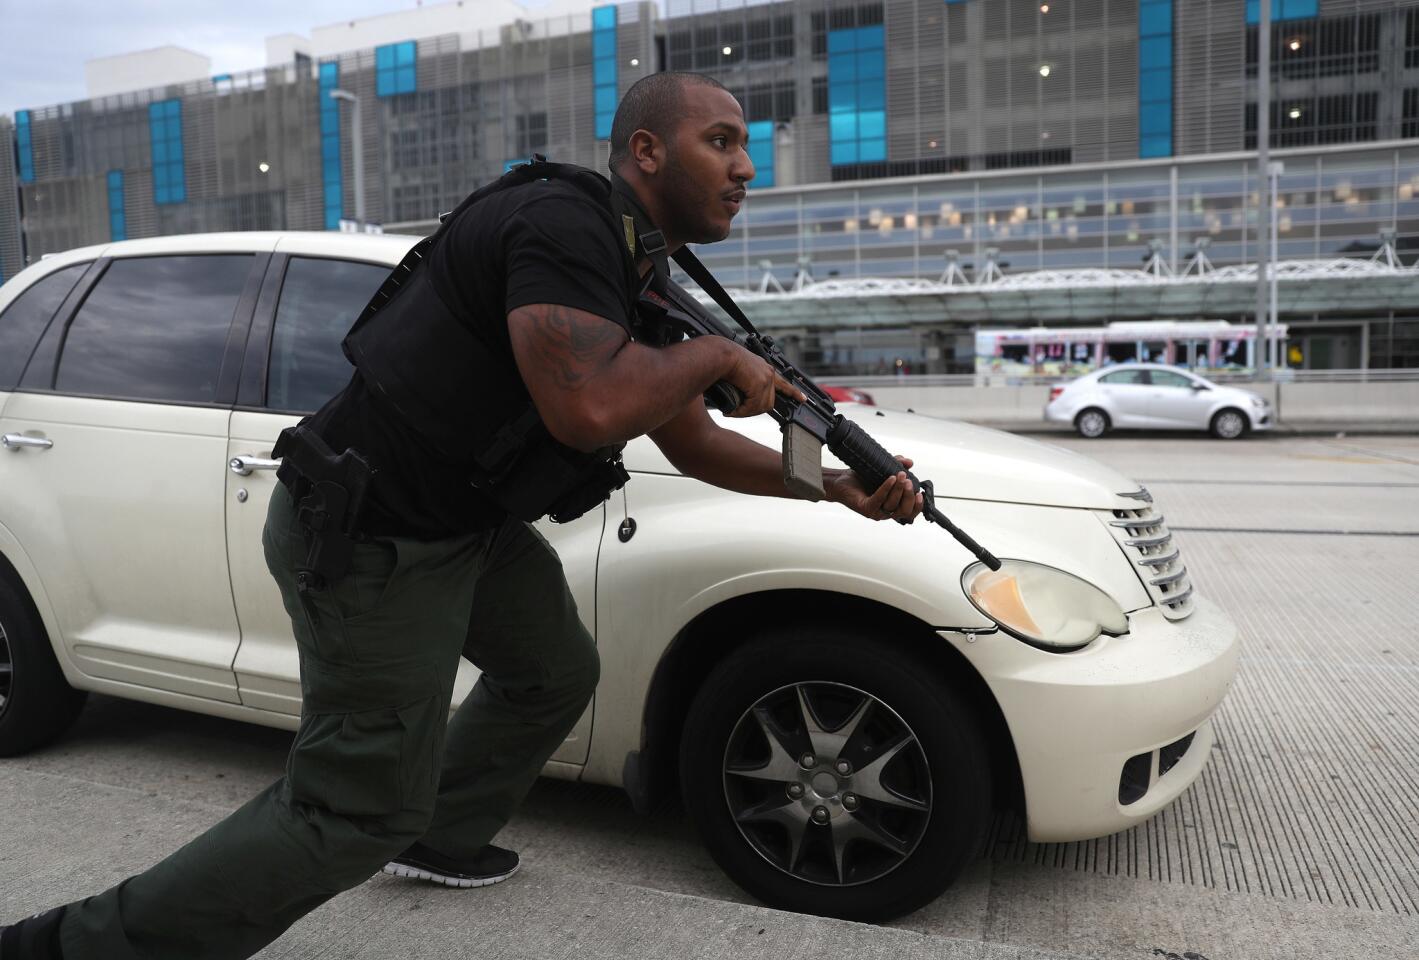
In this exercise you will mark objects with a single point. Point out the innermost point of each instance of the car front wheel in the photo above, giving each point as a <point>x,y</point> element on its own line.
<point>835,775</point>
<point>1228,424</point>
<point>36,704</point>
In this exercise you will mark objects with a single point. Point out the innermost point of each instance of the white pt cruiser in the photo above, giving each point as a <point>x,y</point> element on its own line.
<point>839,704</point>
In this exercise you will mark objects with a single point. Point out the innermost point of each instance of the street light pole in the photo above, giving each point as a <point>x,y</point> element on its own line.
<point>1261,349</point>
<point>358,151</point>
<point>1274,169</point>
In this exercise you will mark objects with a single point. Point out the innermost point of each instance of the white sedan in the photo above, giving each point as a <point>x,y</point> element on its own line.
<point>839,703</point>
<point>1155,396</point>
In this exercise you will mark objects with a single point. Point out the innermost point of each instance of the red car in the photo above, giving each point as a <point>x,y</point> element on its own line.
<point>850,395</point>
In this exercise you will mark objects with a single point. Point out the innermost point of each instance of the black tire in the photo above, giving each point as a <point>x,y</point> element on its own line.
<point>36,704</point>
<point>943,766</point>
<point>1229,423</point>
<point>1092,423</point>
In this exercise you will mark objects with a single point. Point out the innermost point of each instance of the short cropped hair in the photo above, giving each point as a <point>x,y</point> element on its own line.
<point>652,103</point>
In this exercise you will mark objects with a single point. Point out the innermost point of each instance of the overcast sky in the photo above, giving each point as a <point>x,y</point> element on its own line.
<point>44,43</point>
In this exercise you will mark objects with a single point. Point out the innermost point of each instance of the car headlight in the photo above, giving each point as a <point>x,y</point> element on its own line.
<point>1042,606</point>
<point>1258,402</point>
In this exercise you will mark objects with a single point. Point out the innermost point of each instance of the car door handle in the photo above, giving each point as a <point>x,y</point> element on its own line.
<point>243,465</point>
<point>14,441</point>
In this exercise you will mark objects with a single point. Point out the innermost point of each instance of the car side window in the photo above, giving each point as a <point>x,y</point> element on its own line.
<point>320,299</point>
<point>24,320</point>
<point>1166,378</point>
<point>1125,376</point>
<point>154,328</point>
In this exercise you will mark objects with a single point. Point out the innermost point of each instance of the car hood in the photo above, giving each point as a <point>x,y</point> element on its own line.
<point>963,461</point>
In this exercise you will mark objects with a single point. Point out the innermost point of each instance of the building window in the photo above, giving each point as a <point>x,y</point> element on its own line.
<point>1283,10</point>
<point>1410,127</point>
<point>1332,47</point>
<point>333,186</point>
<point>1027,158</point>
<point>768,101</point>
<point>394,68</point>
<point>1309,121</point>
<point>165,132</point>
<point>603,67</point>
<point>761,152</point>
<point>1155,78</point>
<point>1411,37</point>
<point>25,143</point>
<point>681,49</point>
<point>771,38</point>
<point>117,216</point>
<point>531,133</point>
<point>905,168</point>
<point>857,95</point>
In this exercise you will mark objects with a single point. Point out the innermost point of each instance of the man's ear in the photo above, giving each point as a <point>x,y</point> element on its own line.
<point>647,152</point>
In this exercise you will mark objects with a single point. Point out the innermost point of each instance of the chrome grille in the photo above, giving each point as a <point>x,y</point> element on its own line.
<point>1143,533</point>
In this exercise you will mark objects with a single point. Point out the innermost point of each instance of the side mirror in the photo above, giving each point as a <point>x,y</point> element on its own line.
<point>1200,386</point>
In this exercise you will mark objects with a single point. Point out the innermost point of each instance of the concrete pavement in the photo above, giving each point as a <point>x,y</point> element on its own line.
<point>1301,838</point>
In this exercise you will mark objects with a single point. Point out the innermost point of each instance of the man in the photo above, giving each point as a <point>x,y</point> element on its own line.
<point>539,276</point>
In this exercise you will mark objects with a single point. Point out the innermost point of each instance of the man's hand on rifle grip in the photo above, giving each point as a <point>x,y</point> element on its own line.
<point>757,380</point>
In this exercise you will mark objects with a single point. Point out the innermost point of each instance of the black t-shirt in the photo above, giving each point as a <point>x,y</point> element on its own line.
<point>543,242</point>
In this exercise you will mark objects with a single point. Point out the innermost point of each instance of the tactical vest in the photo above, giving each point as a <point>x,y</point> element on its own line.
<point>466,400</point>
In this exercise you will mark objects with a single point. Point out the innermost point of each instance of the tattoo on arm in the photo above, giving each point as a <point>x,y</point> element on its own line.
<point>570,345</point>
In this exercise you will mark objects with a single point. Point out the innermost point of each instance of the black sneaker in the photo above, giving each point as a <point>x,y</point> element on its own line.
<point>488,866</point>
<point>34,938</point>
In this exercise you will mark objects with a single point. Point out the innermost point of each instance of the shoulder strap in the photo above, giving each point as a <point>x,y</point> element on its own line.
<point>699,273</point>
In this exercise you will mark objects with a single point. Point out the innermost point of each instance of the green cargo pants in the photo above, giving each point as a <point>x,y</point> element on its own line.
<point>374,766</point>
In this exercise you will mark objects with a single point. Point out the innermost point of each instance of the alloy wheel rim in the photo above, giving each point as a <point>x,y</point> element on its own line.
<point>1229,425</point>
<point>7,669</point>
<point>827,783</point>
<point>1092,423</point>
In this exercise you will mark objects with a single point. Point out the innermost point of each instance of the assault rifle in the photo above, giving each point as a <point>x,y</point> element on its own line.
<point>807,426</point>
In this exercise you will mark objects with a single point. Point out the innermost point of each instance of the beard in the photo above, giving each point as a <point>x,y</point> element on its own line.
<point>686,203</point>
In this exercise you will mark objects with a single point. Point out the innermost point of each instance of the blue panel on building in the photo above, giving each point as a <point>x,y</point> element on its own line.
<point>333,187</point>
<point>857,95</point>
<point>604,68</point>
<point>1155,78</point>
<point>24,141</point>
<point>1283,10</point>
<point>165,135</point>
<point>395,68</point>
<point>761,152</point>
<point>117,213</point>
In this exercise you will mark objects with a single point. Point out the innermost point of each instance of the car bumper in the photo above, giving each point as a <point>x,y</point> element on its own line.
<point>1077,719</point>
<point>1263,419</point>
<point>1058,413</point>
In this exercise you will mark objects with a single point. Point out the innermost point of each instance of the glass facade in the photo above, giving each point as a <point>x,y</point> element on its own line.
<point>332,189</point>
<point>604,68</point>
<point>117,218</point>
<point>1155,78</point>
<point>857,95</point>
<point>395,68</point>
<point>761,152</point>
<point>1331,204</point>
<point>25,146</point>
<point>165,135</point>
<point>1283,10</point>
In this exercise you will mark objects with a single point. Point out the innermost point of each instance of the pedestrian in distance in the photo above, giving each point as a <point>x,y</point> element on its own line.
<point>498,375</point>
